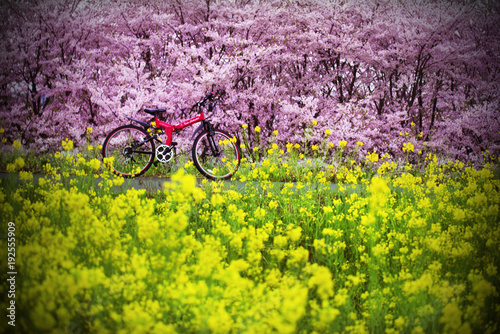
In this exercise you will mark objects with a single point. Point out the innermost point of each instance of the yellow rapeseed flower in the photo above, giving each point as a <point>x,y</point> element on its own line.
<point>19,163</point>
<point>298,255</point>
<point>273,204</point>
<point>11,168</point>
<point>257,129</point>
<point>26,176</point>
<point>408,147</point>
<point>452,319</point>
<point>259,213</point>
<point>322,279</point>
<point>372,157</point>
<point>67,144</point>
<point>327,209</point>
<point>16,144</point>
<point>280,241</point>
<point>94,164</point>
<point>295,234</point>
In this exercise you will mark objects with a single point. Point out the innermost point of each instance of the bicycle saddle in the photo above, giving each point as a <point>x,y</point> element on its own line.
<point>154,111</point>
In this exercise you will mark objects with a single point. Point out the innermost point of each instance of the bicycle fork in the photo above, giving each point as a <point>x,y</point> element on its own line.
<point>211,141</point>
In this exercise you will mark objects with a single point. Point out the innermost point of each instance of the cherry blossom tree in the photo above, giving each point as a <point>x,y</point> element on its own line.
<point>367,70</point>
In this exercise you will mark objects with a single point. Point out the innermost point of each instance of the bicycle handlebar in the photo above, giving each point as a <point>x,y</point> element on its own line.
<point>210,96</point>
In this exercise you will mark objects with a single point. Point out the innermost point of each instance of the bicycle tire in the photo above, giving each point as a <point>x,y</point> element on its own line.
<point>218,167</point>
<point>129,161</point>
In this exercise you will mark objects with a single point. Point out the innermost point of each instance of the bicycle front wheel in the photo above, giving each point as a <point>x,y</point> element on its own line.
<point>216,156</point>
<point>129,151</point>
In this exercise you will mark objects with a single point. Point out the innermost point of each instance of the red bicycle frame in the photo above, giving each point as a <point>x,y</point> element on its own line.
<point>170,129</point>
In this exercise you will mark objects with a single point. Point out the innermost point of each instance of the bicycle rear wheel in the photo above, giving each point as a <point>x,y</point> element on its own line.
<point>129,151</point>
<point>216,156</point>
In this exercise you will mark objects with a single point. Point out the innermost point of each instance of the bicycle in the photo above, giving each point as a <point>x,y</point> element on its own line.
<point>130,149</point>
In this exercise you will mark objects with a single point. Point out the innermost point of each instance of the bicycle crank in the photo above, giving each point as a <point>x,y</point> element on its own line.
<point>164,153</point>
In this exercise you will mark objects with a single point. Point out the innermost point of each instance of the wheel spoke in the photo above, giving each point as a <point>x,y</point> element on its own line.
<point>214,156</point>
<point>131,149</point>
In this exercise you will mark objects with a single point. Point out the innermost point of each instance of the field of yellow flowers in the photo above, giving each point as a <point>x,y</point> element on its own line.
<point>384,252</point>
